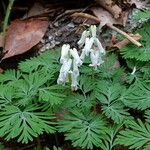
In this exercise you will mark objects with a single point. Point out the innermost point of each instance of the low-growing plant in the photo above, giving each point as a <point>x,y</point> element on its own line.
<point>109,104</point>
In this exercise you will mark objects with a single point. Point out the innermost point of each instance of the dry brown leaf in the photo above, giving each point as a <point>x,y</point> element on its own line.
<point>105,17</point>
<point>35,10</point>
<point>124,42</point>
<point>109,5</point>
<point>85,18</point>
<point>22,35</point>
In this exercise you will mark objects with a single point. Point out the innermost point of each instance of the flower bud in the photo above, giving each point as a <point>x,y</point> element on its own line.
<point>88,45</point>
<point>65,68</point>
<point>76,57</point>
<point>99,45</point>
<point>84,35</point>
<point>64,52</point>
<point>93,30</point>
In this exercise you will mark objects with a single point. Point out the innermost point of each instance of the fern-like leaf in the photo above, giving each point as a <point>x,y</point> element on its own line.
<point>79,101</point>
<point>110,69</point>
<point>53,94</point>
<point>24,124</point>
<point>136,135</point>
<point>142,15</point>
<point>86,86</point>
<point>88,125</point>
<point>138,96</point>
<point>109,140</point>
<point>6,95</point>
<point>109,96</point>
<point>48,60</point>
<point>143,53</point>
<point>10,75</point>
<point>27,88</point>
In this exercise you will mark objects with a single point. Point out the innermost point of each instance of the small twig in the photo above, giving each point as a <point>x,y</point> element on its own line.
<point>85,15</point>
<point>125,41</point>
<point>8,11</point>
<point>67,12</point>
<point>125,34</point>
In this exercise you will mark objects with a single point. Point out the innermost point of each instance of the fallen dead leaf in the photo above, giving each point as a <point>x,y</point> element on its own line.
<point>125,41</point>
<point>35,10</point>
<point>22,35</point>
<point>109,5</point>
<point>105,17</point>
<point>85,18</point>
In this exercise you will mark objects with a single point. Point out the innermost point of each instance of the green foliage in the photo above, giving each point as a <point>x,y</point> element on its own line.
<point>47,61</point>
<point>142,71</point>
<point>100,114</point>
<point>110,96</point>
<point>140,54</point>
<point>90,127</point>
<point>109,140</point>
<point>21,100</point>
<point>110,68</point>
<point>142,15</point>
<point>138,96</point>
<point>136,135</point>
<point>24,123</point>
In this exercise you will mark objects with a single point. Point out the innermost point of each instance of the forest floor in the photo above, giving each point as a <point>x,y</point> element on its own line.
<point>35,26</point>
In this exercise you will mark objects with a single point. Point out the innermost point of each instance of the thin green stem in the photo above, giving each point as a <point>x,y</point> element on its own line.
<point>8,11</point>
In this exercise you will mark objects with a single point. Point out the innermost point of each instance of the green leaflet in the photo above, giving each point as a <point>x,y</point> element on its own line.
<point>90,127</point>
<point>143,15</point>
<point>24,124</point>
<point>138,96</point>
<point>141,54</point>
<point>52,94</point>
<point>109,140</point>
<point>47,60</point>
<point>109,94</point>
<point>136,135</point>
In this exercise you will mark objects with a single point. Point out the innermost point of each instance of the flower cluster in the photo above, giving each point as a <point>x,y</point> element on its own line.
<point>71,61</point>
<point>92,47</point>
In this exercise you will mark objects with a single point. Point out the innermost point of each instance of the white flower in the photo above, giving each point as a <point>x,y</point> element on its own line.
<point>87,48</point>
<point>95,58</point>
<point>74,76</point>
<point>82,56</point>
<point>64,52</point>
<point>99,45</point>
<point>84,35</point>
<point>76,57</point>
<point>93,30</point>
<point>64,71</point>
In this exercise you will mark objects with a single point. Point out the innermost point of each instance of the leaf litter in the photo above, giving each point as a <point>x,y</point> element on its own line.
<point>22,35</point>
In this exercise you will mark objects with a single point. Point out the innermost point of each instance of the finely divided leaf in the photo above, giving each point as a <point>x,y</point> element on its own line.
<point>109,95</point>
<point>136,135</point>
<point>84,129</point>
<point>24,124</point>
